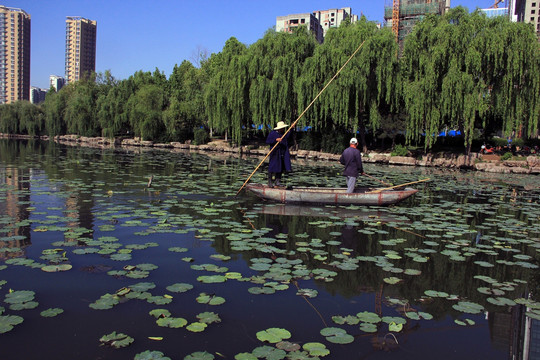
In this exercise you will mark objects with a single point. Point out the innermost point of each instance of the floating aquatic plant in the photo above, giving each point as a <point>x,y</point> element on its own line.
<point>116,340</point>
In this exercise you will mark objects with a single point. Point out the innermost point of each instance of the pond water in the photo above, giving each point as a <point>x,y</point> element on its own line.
<point>123,254</point>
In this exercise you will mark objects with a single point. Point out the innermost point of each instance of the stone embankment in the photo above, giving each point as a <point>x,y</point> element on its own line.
<point>473,161</point>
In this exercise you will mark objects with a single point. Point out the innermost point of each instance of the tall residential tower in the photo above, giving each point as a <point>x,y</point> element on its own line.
<point>80,47</point>
<point>14,55</point>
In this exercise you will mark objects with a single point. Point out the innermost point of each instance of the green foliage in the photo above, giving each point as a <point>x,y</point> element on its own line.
<point>506,156</point>
<point>460,67</point>
<point>400,150</point>
<point>200,136</point>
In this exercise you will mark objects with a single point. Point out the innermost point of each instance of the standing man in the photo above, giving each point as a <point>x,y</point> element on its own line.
<point>352,159</point>
<point>280,158</point>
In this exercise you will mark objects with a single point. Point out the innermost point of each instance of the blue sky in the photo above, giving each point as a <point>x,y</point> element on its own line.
<point>137,35</point>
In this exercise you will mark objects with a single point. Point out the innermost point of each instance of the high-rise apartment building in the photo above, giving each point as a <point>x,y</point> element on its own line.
<point>56,82</point>
<point>37,95</point>
<point>80,47</point>
<point>14,55</point>
<point>334,17</point>
<point>290,22</point>
<point>527,11</point>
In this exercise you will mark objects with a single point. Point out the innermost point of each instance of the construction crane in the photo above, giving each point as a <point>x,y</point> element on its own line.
<point>496,5</point>
<point>395,18</point>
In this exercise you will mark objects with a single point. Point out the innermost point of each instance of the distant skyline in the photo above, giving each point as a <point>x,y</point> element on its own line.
<point>135,35</point>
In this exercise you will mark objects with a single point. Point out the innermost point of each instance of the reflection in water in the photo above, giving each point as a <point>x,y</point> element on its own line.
<point>14,210</point>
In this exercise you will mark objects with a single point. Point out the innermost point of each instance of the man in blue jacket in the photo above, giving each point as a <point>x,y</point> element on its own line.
<point>280,158</point>
<point>352,159</point>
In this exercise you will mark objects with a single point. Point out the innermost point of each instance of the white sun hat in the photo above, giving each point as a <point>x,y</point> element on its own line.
<point>280,125</point>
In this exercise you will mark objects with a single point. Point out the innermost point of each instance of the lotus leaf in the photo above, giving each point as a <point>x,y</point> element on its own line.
<point>425,315</point>
<point>261,290</point>
<point>121,257</point>
<point>273,335</point>
<point>307,292</point>
<point>151,355</point>
<point>468,307</point>
<point>147,267</point>
<point>268,352</point>
<point>392,280</point>
<point>204,298</point>
<point>8,322</point>
<point>51,312</point>
<point>196,327</point>
<point>393,327</point>
<point>394,319</point>
<point>245,356</point>
<point>20,296</point>
<point>212,279</point>
<point>369,317</point>
<point>316,349</point>
<point>116,340</point>
<point>288,346</point>
<point>412,315</point>
<point>105,302</point>
<point>159,300</point>
<point>159,313</point>
<point>412,272</point>
<point>208,317</point>
<point>337,335</point>
<point>433,293</point>
<point>171,322</point>
<point>142,286</point>
<point>500,301</point>
<point>199,355</point>
<point>179,287</point>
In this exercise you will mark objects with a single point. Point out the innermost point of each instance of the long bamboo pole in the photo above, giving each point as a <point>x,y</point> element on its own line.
<point>396,186</point>
<point>374,178</point>
<point>302,114</point>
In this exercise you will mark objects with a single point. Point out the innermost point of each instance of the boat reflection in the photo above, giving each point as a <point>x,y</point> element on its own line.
<point>349,212</point>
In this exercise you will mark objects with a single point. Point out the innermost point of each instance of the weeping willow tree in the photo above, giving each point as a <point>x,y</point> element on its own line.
<point>462,68</point>
<point>227,93</point>
<point>276,61</point>
<point>514,76</point>
<point>353,100</point>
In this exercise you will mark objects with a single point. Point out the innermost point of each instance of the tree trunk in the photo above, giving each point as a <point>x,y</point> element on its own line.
<point>362,133</point>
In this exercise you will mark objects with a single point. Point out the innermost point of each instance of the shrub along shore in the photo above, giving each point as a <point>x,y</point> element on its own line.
<point>473,161</point>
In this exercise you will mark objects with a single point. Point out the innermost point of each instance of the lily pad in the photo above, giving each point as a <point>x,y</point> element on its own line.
<point>51,312</point>
<point>199,355</point>
<point>273,335</point>
<point>179,287</point>
<point>116,340</point>
<point>151,355</point>
<point>171,322</point>
<point>204,298</point>
<point>337,335</point>
<point>316,349</point>
<point>20,296</point>
<point>8,322</point>
<point>196,327</point>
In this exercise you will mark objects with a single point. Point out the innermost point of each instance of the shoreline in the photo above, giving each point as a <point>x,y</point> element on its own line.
<point>473,161</point>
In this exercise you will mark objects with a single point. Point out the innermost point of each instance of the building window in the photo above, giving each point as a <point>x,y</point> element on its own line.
<point>532,11</point>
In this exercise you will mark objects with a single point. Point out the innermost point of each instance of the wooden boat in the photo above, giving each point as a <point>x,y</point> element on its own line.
<point>337,196</point>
